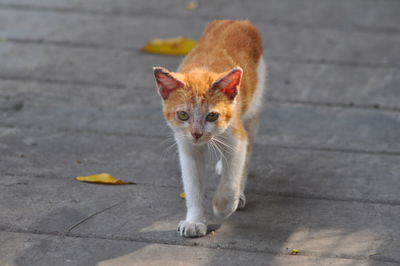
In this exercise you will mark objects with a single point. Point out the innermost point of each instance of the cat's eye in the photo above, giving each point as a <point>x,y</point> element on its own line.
<point>211,117</point>
<point>182,115</point>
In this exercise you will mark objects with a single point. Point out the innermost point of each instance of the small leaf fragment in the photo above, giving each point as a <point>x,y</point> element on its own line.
<point>103,178</point>
<point>375,254</point>
<point>212,233</point>
<point>182,195</point>
<point>170,46</point>
<point>294,251</point>
<point>192,5</point>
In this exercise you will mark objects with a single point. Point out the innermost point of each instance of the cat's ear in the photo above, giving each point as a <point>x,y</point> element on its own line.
<point>228,84</point>
<point>166,83</point>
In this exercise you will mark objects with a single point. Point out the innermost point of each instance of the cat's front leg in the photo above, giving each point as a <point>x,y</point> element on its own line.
<point>193,168</point>
<point>227,196</point>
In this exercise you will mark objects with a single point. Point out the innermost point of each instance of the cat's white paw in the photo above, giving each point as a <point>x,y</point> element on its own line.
<point>224,207</point>
<point>242,201</point>
<point>192,229</point>
<point>218,167</point>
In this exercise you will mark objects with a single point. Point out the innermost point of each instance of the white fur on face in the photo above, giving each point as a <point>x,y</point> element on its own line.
<point>197,123</point>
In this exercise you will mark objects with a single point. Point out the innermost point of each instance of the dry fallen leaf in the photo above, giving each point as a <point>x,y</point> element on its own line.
<point>213,233</point>
<point>103,179</point>
<point>294,252</point>
<point>182,195</point>
<point>192,5</point>
<point>170,46</point>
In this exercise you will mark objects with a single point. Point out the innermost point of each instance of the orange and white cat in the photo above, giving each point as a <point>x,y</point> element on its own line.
<point>213,101</point>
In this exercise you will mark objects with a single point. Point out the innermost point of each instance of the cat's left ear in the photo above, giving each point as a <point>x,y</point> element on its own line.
<point>166,83</point>
<point>229,83</point>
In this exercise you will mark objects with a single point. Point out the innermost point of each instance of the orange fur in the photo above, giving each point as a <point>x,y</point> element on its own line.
<point>224,45</point>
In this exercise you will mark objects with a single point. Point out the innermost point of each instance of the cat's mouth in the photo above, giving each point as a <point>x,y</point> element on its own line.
<point>201,141</point>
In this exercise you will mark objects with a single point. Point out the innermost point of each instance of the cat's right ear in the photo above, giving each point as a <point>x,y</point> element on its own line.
<point>166,83</point>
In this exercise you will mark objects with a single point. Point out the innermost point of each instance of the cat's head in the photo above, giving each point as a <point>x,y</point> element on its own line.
<point>198,105</point>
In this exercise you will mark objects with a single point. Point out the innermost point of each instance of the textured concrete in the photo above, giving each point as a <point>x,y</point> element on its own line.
<point>360,58</point>
<point>77,98</point>
<point>149,214</point>
<point>282,123</point>
<point>367,14</point>
<point>37,250</point>
<point>287,171</point>
<point>298,81</point>
<point>281,41</point>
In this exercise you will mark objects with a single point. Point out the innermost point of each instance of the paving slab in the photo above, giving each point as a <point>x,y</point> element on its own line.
<point>120,68</point>
<point>150,161</point>
<point>42,250</point>
<point>131,33</point>
<point>270,224</point>
<point>365,14</point>
<point>353,86</point>
<point>111,66</point>
<point>365,130</point>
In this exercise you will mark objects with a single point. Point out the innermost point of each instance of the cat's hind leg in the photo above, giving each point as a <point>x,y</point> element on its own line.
<point>251,119</point>
<point>251,126</point>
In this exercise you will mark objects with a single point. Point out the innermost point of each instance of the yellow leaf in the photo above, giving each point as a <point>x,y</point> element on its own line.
<point>170,46</point>
<point>213,233</point>
<point>103,179</point>
<point>182,195</point>
<point>294,252</point>
<point>192,5</point>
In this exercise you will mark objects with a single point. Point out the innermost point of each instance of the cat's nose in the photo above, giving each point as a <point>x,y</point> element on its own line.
<point>197,135</point>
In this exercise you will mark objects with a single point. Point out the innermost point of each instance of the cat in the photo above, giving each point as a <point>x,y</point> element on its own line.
<point>213,102</point>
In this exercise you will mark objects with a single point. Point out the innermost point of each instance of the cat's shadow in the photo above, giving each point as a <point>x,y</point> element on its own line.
<point>213,228</point>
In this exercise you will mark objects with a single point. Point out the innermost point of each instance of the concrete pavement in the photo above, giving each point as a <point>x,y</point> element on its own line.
<point>77,97</point>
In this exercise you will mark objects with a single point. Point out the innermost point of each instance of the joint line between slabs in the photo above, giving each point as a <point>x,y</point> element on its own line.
<point>278,22</point>
<point>146,240</point>
<point>281,59</point>
<point>261,193</point>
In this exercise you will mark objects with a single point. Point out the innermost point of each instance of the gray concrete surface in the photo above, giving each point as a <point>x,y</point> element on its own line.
<point>77,98</point>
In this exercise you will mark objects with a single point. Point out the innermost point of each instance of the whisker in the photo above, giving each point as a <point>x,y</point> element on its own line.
<point>209,150</point>
<point>212,150</point>
<point>168,149</point>
<point>222,140</point>
<point>225,146</point>
<point>219,150</point>
<point>174,138</point>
